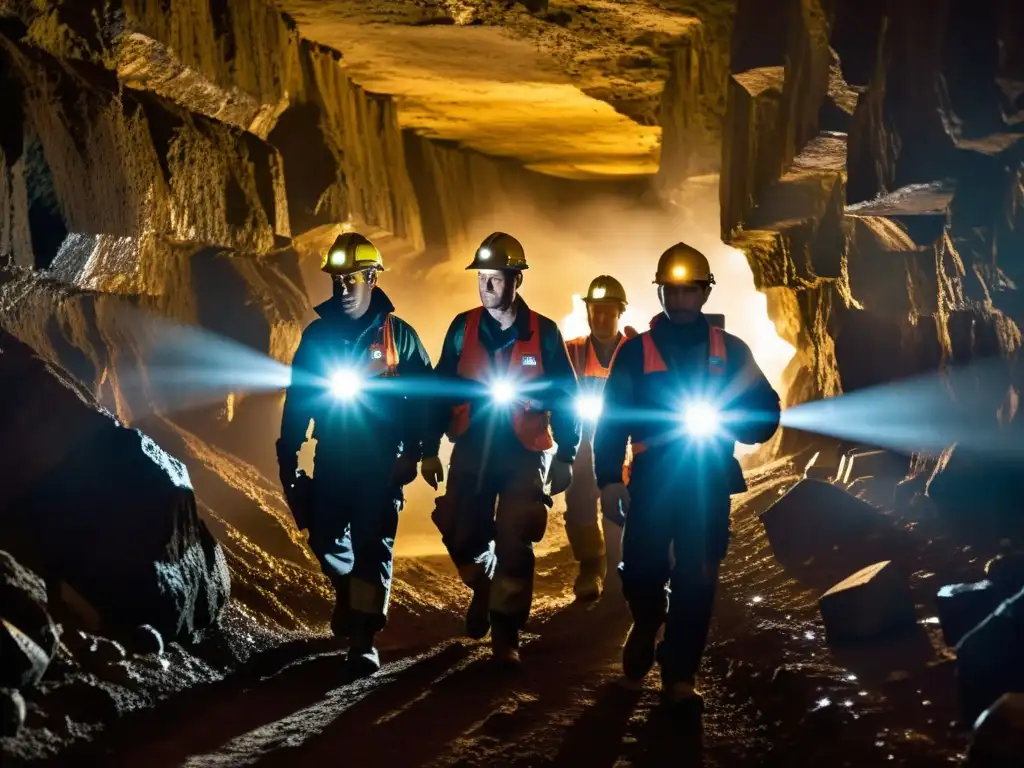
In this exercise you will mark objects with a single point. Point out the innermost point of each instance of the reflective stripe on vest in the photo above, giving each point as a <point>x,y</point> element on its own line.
<point>532,427</point>
<point>655,363</point>
<point>383,353</point>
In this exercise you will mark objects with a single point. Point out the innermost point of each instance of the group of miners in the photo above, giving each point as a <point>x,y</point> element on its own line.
<point>642,426</point>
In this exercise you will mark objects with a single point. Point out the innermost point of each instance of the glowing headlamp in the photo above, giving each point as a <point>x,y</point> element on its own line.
<point>502,392</point>
<point>345,384</point>
<point>701,419</point>
<point>589,407</point>
<point>337,258</point>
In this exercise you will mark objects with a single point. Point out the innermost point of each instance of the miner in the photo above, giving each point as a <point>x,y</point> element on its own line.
<point>592,357</point>
<point>355,374</point>
<point>682,394</point>
<point>509,413</point>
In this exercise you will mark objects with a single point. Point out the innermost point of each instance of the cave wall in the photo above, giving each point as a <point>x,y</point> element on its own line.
<point>872,172</point>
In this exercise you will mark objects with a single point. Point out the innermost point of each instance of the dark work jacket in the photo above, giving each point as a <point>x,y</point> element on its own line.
<point>365,436</point>
<point>646,408</point>
<point>558,387</point>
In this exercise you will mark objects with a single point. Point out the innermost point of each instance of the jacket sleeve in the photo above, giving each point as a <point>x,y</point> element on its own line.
<point>565,424</point>
<point>299,396</point>
<point>438,405</point>
<point>751,397</point>
<point>614,428</point>
<point>414,372</point>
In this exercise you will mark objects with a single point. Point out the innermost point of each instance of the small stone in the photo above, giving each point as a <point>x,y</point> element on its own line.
<point>999,733</point>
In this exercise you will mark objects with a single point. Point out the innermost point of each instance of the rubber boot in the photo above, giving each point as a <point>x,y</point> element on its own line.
<point>362,659</point>
<point>478,618</point>
<point>587,544</point>
<point>504,640</point>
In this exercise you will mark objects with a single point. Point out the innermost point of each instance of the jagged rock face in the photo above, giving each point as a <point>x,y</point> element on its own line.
<point>891,286</point>
<point>102,507</point>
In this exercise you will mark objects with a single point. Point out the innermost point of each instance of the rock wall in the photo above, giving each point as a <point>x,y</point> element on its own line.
<point>886,231</point>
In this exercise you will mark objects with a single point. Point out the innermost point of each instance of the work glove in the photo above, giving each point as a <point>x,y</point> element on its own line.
<point>560,476</point>
<point>629,332</point>
<point>615,503</point>
<point>432,471</point>
<point>403,471</point>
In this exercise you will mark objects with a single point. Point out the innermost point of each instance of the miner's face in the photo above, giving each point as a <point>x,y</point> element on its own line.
<point>683,303</point>
<point>354,291</point>
<point>498,287</point>
<point>604,320</point>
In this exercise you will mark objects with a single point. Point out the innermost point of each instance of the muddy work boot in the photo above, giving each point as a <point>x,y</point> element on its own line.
<point>504,641</point>
<point>638,654</point>
<point>362,659</point>
<point>478,618</point>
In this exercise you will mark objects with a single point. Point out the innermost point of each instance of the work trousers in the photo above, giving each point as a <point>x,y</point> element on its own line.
<point>352,532</point>
<point>490,516</point>
<point>676,534</point>
<point>596,544</point>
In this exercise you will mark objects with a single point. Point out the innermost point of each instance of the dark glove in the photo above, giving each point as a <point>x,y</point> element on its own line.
<point>560,476</point>
<point>629,332</point>
<point>404,470</point>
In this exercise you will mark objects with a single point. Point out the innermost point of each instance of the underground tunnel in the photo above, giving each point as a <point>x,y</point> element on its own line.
<point>173,179</point>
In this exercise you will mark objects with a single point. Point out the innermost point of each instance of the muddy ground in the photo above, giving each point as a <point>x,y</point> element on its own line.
<point>775,693</point>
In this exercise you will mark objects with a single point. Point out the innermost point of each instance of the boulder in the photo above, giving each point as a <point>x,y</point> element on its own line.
<point>990,658</point>
<point>962,607</point>
<point>103,507</point>
<point>873,602</point>
<point>866,462</point>
<point>999,734</point>
<point>813,518</point>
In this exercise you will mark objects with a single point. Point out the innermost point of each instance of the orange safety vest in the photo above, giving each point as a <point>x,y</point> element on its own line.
<point>383,352</point>
<point>655,363</point>
<point>584,358</point>
<point>532,427</point>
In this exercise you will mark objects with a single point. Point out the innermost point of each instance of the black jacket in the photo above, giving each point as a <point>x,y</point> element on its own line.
<point>390,421</point>
<point>634,408</point>
<point>559,383</point>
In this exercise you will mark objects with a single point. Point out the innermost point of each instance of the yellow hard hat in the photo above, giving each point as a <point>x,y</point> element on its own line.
<point>683,264</point>
<point>351,253</point>
<point>499,251</point>
<point>605,289</point>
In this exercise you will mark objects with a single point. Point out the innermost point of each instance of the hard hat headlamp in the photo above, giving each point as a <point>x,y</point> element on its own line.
<point>338,258</point>
<point>598,293</point>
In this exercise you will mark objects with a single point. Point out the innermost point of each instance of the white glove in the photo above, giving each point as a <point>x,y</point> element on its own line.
<point>615,503</point>
<point>560,476</point>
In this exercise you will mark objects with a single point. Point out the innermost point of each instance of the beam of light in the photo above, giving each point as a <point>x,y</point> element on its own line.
<point>923,414</point>
<point>702,419</point>
<point>345,384</point>
<point>503,392</point>
<point>589,407</point>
